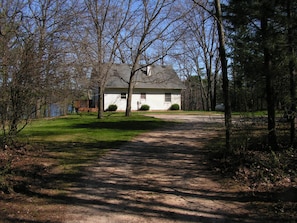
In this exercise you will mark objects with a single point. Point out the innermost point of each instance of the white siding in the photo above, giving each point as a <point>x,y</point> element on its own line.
<point>114,97</point>
<point>154,98</point>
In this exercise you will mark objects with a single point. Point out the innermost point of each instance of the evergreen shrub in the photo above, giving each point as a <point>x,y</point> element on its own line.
<point>174,107</point>
<point>144,108</point>
<point>112,108</point>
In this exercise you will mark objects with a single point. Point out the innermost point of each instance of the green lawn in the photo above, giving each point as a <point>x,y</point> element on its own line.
<point>52,154</point>
<point>76,140</point>
<point>87,128</point>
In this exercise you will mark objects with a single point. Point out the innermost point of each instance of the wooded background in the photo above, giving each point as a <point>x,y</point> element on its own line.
<point>50,49</point>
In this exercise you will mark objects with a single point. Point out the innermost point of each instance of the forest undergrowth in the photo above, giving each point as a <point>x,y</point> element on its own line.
<point>269,175</point>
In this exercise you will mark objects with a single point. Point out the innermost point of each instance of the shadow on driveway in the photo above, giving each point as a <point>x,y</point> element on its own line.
<point>161,176</point>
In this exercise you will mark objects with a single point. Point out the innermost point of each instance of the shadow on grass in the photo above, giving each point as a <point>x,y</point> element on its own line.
<point>176,165</point>
<point>45,174</point>
<point>91,124</point>
<point>125,182</point>
<point>122,125</point>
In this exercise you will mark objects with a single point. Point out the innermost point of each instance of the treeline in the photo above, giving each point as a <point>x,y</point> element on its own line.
<point>243,22</point>
<point>54,51</point>
<point>261,48</point>
<point>34,69</point>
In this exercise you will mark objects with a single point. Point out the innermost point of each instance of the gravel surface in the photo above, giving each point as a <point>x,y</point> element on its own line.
<point>160,176</point>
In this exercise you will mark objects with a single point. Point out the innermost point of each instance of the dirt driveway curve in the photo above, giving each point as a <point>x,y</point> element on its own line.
<point>160,176</point>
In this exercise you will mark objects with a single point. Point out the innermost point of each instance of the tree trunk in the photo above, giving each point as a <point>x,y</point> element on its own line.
<point>225,73</point>
<point>292,72</point>
<point>129,97</point>
<point>209,86</point>
<point>131,82</point>
<point>100,103</point>
<point>201,95</point>
<point>214,99</point>
<point>272,139</point>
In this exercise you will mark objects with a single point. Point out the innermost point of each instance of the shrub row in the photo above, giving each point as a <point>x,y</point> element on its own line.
<point>142,108</point>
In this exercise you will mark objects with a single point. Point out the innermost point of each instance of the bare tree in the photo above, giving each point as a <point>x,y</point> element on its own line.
<point>17,71</point>
<point>31,70</point>
<point>49,21</point>
<point>153,22</point>
<point>200,46</point>
<point>95,40</point>
<point>224,72</point>
<point>217,15</point>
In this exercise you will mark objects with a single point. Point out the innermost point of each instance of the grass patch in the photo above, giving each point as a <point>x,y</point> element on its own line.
<point>53,152</point>
<point>88,129</point>
<point>85,134</point>
<point>51,158</point>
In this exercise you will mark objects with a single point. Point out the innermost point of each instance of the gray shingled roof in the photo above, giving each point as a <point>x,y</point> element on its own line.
<point>162,77</point>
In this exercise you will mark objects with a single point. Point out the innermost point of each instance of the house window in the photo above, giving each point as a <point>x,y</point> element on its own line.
<point>143,96</point>
<point>123,96</point>
<point>167,97</point>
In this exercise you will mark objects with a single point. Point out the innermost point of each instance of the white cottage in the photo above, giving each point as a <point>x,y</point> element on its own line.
<point>157,86</point>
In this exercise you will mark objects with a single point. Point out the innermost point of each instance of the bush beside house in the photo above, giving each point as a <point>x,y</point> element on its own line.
<point>174,107</point>
<point>144,108</point>
<point>112,108</point>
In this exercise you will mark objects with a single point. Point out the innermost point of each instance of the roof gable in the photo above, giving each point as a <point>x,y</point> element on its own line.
<point>159,77</point>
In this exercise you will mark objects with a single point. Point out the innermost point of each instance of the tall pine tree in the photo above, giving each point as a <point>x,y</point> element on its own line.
<point>263,54</point>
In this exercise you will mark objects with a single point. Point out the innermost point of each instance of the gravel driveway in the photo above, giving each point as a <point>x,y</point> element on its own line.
<point>160,176</point>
